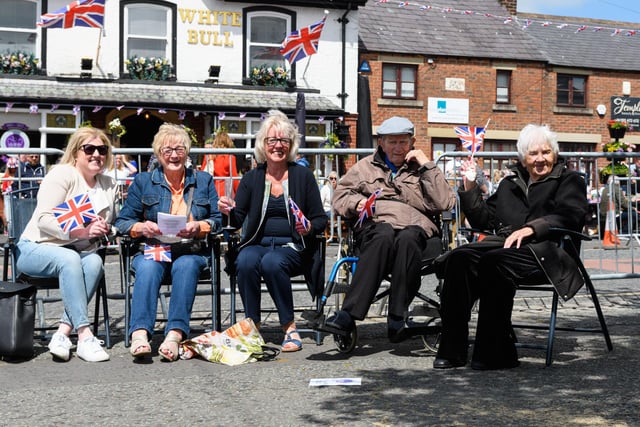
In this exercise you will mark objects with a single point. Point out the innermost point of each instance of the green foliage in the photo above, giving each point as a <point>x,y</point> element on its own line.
<point>269,75</point>
<point>141,68</point>
<point>19,62</point>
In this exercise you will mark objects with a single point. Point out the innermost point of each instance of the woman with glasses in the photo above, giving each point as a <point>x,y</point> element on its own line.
<point>171,188</point>
<point>50,247</point>
<point>274,245</point>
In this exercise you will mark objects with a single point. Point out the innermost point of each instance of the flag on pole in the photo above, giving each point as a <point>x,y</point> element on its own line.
<point>369,208</point>
<point>80,13</point>
<point>75,212</point>
<point>471,137</point>
<point>298,215</point>
<point>302,43</point>
<point>160,253</point>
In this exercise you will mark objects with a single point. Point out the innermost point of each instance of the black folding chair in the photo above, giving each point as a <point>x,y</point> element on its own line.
<point>19,210</point>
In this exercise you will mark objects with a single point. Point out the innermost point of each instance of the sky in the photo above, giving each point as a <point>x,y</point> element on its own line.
<point>614,10</point>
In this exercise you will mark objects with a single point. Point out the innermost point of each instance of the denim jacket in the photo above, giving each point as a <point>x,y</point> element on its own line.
<point>149,194</point>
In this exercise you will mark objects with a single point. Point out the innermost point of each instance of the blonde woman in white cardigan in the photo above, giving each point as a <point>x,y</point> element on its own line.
<point>46,250</point>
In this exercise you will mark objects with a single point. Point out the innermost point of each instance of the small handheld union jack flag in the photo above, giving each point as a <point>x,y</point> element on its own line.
<point>160,253</point>
<point>471,137</point>
<point>80,13</point>
<point>369,208</point>
<point>75,212</point>
<point>303,42</point>
<point>298,215</point>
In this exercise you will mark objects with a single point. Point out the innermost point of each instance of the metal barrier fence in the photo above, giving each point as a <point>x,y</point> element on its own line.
<point>618,263</point>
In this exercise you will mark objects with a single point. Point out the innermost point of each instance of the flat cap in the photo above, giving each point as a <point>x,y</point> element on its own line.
<point>396,126</point>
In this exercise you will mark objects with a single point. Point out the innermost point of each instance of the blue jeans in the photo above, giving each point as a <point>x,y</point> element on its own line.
<point>276,264</point>
<point>78,274</point>
<point>183,272</point>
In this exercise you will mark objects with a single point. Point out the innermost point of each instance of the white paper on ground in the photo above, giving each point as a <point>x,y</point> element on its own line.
<point>317,382</point>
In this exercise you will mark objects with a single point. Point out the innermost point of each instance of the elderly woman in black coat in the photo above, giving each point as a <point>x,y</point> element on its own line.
<point>541,194</point>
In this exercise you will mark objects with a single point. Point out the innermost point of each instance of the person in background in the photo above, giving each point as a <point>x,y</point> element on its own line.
<point>541,194</point>
<point>274,245</point>
<point>171,188</point>
<point>122,168</point>
<point>326,194</point>
<point>412,189</point>
<point>626,214</point>
<point>10,171</point>
<point>302,160</point>
<point>30,167</point>
<point>46,250</point>
<point>222,166</point>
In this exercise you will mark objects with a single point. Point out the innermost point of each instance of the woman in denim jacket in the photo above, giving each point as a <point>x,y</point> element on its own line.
<point>174,189</point>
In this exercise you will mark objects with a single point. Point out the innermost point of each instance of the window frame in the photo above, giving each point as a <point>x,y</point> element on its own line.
<point>398,82</point>
<point>35,46</point>
<point>170,39</point>
<point>251,13</point>
<point>570,90</point>
<point>508,74</point>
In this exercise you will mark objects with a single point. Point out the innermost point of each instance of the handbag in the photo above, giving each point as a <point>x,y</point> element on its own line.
<point>241,343</point>
<point>17,314</point>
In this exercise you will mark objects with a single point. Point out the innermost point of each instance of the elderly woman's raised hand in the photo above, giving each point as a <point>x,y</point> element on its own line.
<point>225,204</point>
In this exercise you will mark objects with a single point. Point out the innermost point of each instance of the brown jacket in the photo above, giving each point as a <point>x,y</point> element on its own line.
<point>409,198</point>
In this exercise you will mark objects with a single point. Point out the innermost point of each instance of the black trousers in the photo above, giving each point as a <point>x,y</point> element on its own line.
<point>383,250</point>
<point>489,273</point>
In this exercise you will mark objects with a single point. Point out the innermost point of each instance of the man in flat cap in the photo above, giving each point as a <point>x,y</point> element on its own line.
<point>391,238</point>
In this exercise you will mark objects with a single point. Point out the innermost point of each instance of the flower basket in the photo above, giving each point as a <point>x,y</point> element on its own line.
<point>616,168</point>
<point>18,63</point>
<point>269,75</point>
<point>141,68</point>
<point>617,128</point>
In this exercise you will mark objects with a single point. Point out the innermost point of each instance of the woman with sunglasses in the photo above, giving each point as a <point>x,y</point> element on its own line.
<point>274,245</point>
<point>171,188</point>
<point>49,248</point>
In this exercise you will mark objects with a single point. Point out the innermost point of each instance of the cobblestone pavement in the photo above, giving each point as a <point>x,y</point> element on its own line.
<point>585,386</point>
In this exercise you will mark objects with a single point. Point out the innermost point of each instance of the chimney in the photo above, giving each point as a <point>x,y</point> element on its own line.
<point>510,5</point>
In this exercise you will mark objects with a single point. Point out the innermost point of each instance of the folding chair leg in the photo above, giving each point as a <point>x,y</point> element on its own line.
<point>596,304</point>
<point>101,296</point>
<point>552,329</point>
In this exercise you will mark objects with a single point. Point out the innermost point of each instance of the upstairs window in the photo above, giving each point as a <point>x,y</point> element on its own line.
<point>503,87</point>
<point>18,26</point>
<point>266,32</point>
<point>571,91</point>
<point>148,31</point>
<point>399,81</point>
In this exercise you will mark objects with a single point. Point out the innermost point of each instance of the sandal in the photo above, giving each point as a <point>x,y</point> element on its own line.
<point>140,346</point>
<point>297,344</point>
<point>170,348</point>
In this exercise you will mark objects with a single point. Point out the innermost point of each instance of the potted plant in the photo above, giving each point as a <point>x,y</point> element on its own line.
<point>616,166</point>
<point>332,141</point>
<point>116,128</point>
<point>18,63</point>
<point>269,75</point>
<point>141,68</point>
<point>617,128</point>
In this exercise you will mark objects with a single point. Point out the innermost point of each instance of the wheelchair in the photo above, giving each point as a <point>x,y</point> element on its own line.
<point>341,274</point>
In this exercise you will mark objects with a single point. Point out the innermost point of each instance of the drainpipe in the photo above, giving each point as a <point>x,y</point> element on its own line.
<point>344,21</point>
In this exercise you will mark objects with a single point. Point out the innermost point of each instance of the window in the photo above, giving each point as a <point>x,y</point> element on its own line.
<point>571,90</point>
<point>266,31</point>
<point>399,81</point>
<point>18,26</point>
<point>148,31</point>
<point>503,86</point>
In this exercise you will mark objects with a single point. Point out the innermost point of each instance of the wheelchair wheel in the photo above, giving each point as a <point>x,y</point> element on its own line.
<point>346,343</point>
<point>432,341</point>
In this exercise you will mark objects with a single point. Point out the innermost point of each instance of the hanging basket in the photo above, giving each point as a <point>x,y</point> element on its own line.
<point>617,133</point>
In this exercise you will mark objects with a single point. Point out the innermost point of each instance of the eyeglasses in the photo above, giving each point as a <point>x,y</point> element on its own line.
<point>89,149</point>
<point>273,141</point>
<point>180,151</point>
<point>333,179</point>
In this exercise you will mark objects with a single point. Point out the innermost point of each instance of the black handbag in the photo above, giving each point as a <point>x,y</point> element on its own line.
<point>17,313</point>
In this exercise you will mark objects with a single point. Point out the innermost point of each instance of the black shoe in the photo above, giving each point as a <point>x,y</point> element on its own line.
<point>340,323</point>
<point>401,330</point>
<point>442,363</point>
<point>491,366</point>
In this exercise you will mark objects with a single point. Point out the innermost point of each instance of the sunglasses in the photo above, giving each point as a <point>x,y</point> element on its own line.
<point>90,149</point>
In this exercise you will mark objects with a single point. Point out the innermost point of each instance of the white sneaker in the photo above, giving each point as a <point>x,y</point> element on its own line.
<point>60,346</point>
<point>90,350</point>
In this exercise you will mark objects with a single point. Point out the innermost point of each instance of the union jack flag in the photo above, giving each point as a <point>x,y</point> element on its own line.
<point>302,43</point>
<point>160,253</point>
<point>80,13</point>
<point>299,216</point>
<point>471,137</point>
<point>75,212</point>
<point>369,208</point>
